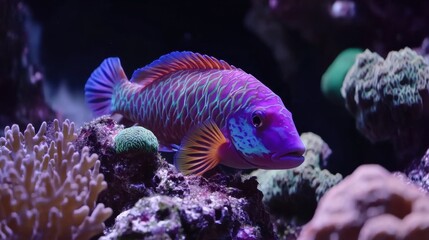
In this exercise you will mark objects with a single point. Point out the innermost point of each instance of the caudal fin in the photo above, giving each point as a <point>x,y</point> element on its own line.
<point>100,85</point>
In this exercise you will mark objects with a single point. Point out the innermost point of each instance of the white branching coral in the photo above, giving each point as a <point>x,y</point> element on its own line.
<point>47,189</point>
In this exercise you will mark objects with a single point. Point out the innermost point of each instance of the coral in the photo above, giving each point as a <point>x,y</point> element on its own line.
<point>48,189</point>
<point>136,140</point>
<point>370,204</point>
<point>293,194</point>
<point>127,174</point>
<point>192,207</point>
<point>333,78</point>
<point>388,98</point>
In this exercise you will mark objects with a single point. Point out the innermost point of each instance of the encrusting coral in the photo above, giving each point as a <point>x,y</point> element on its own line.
<point>292,195</point>
<point>370,204</point>
<point>389,99</point>
<point>48,190</point>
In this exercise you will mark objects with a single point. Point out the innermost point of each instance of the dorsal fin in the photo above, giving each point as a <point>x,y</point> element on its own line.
<point>176,61</point>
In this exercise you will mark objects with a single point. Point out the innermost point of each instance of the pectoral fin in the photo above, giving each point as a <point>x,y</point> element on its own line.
<point>199,151</point>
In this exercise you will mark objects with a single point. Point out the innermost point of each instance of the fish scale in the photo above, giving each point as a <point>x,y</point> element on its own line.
<point>155,109</point>
<point>216,112</point>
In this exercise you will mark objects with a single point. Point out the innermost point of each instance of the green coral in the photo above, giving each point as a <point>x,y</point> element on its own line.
<point>136,139</point>
<point>285,191</point>
<point>333,78</point>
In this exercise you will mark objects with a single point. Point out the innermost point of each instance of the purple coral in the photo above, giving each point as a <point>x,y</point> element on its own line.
<point>48,190</point>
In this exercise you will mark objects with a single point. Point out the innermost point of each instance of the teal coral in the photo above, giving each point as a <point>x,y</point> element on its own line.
<point>47,189</point>
<point>136,139</point>
<point>386,95</point>
<point>286,191</point>
<point>333,78</point>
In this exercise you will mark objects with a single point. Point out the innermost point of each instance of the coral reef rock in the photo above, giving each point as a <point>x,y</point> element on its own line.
<point>370,204</point>
<point>389,99</point>
<point>129,173</point>
<point>292,195</point>
<point>48,190</point>
<point>418,172</point>
<point>160,202</point>
<point>192,207</point>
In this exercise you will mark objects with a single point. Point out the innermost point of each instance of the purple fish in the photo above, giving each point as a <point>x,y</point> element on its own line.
<point>207,110</point>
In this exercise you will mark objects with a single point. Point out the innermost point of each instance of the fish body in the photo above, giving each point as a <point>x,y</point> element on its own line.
<point>208,111</point>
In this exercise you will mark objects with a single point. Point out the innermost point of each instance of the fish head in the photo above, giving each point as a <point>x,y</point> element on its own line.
<point>266,137</point>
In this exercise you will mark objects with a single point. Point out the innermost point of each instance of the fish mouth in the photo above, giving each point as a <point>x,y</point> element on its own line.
<point>293,157</point>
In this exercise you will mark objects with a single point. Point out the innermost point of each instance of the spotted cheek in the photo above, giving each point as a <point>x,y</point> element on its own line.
<point>244,139</point>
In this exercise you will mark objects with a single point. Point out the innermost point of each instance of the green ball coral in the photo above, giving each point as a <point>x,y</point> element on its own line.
<point>333,78</point>
<point>136,139</point>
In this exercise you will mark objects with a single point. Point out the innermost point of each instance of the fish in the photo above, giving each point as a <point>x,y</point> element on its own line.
<point>205,110</point>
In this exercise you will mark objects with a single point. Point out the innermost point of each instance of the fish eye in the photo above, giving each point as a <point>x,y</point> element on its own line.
<point>257,119</point>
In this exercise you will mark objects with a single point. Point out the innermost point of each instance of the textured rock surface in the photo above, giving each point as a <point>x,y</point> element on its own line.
<point>418,172</point>
<point>370,204</point>
<point>292,195</point>
<point>192,207</point>
<point>171,204</point>
<point>389,97</point>
<point>129,175</point>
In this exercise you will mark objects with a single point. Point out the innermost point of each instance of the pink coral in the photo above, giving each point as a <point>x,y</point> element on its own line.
<point>370,204</point>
